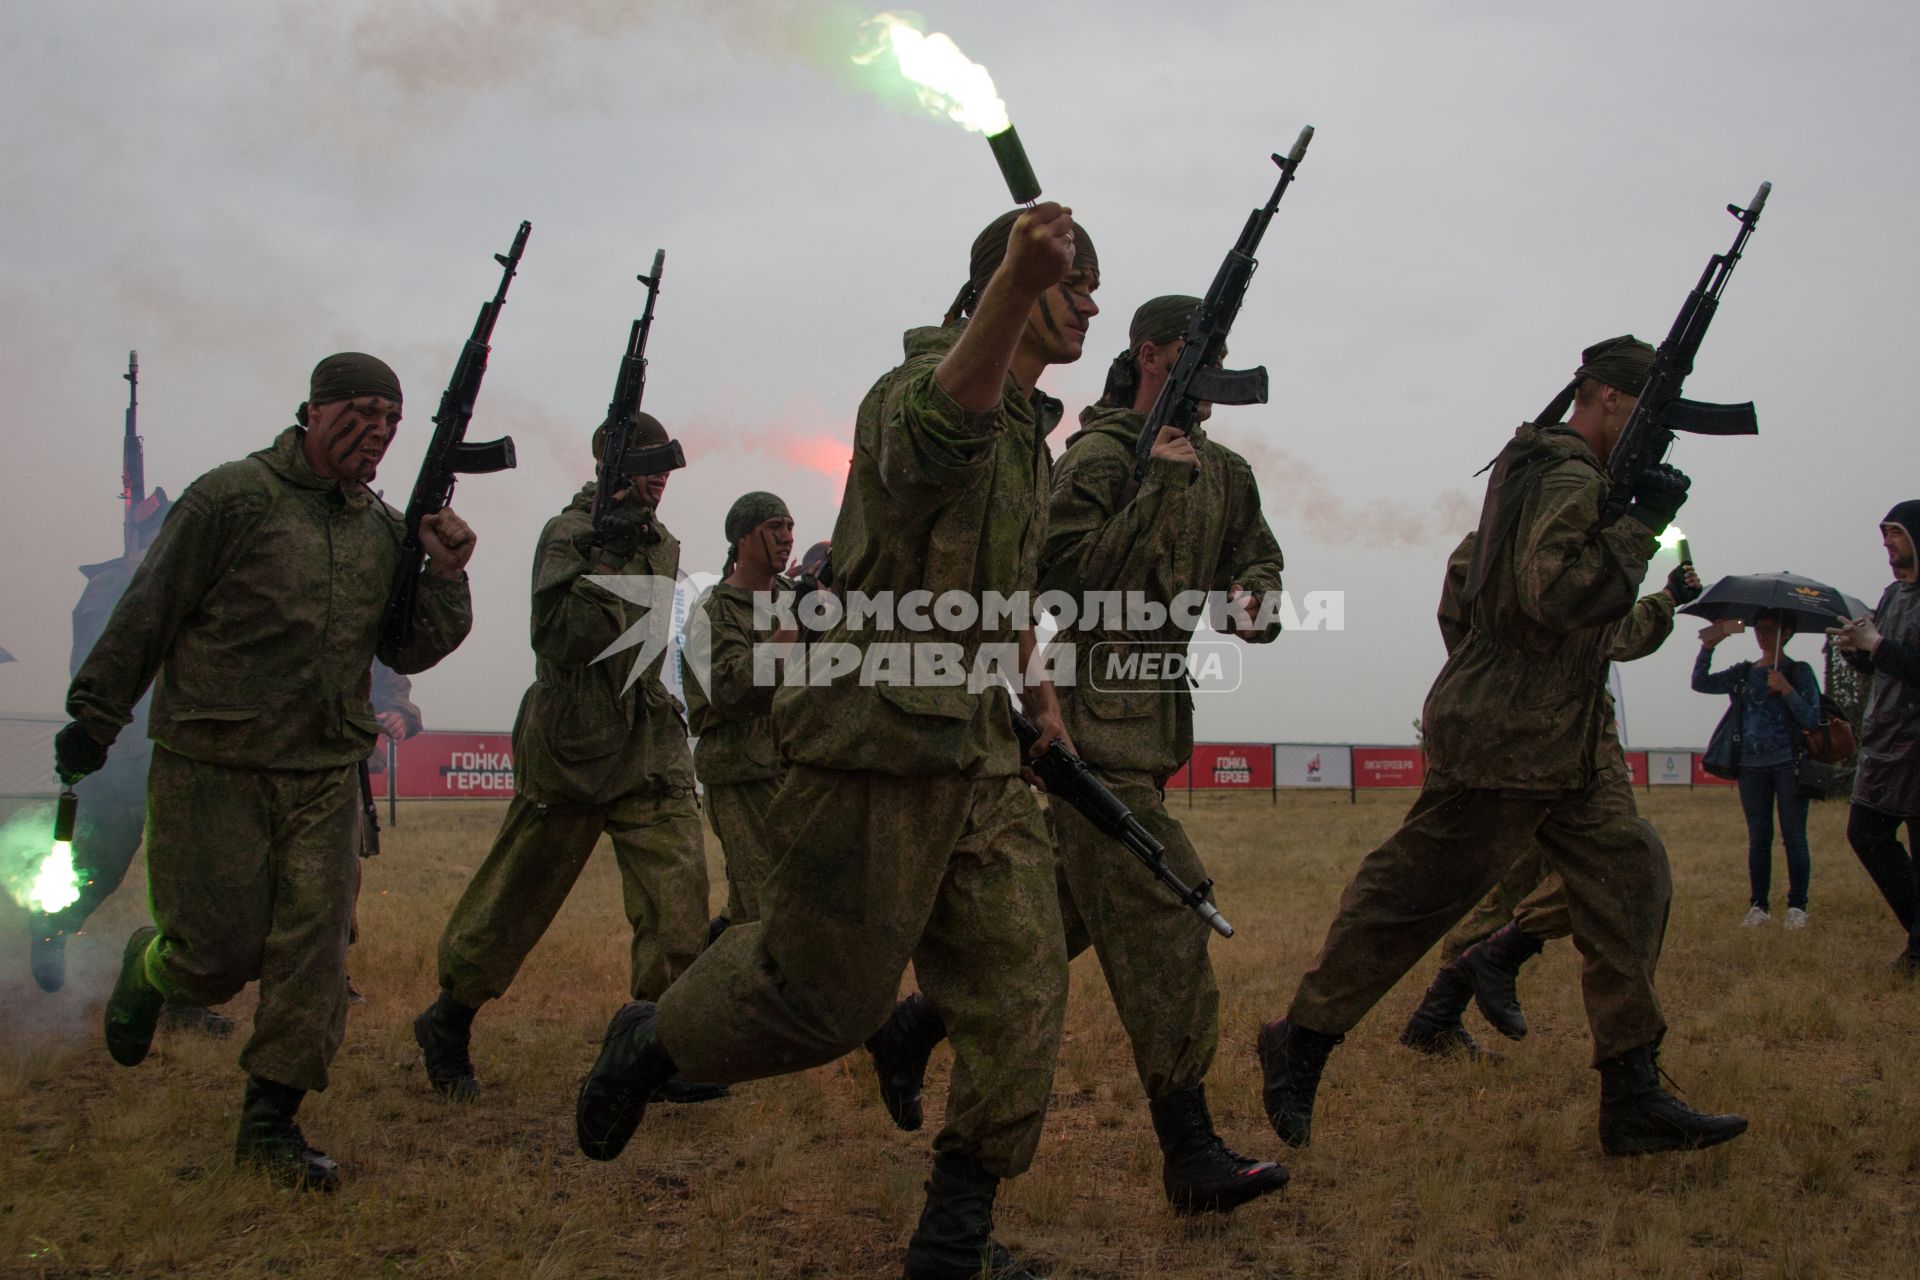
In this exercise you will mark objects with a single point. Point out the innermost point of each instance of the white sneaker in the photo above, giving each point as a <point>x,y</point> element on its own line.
<point>1796,918</point>
<point>1756,916</point>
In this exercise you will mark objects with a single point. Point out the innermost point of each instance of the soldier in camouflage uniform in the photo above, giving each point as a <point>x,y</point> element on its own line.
<point>113,802</point>
<point>729,711</point>
<point>1173,533</point>
<point>260,609</point>
<point>904,831</point>
<point>594,752</point>
<point>1513,736</point>
<point>1482,955</point>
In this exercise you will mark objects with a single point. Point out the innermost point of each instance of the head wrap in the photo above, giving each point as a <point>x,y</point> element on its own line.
<point>748,512</point>
<point>347,376</point>
<point>1624,363</point>
<point>990,250</point>
<point>1159,321</point>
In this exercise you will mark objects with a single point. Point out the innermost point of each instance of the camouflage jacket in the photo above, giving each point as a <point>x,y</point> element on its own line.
<point>729,711</point>
<point>1521,701</point>
<point>938,499</point>
<point>584,735</point>
<point>1644,629</point>
<point>1173,534</point>
<point>260,607</point>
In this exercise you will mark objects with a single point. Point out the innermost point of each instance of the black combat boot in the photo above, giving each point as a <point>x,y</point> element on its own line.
<point>1493,966</point>
<point>47,954</point>
<point>270,1139</point>
<point>444,1031</point>
<point>133,1010</point>
<point>900,1051</point>
<point>1291,1060</point>
<point>1638,1117</point>
<point>1435,1027</point>
<point>954,1240</point>
<point>630,1070</point>
<point>198,1019</point>
<point>1200,1173</point>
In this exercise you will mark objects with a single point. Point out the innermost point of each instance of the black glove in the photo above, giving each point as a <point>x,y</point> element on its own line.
<point>1658,494</point>
<point>621,532</point>
<point>1682,591</point>
<point>76,753</point>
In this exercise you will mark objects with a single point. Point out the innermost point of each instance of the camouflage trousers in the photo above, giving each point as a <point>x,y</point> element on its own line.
<point>740,813</point>
<point>1530,895</point>
<point>1152,950</point>
<point>250,874</point>
<point>532,866</point>
<point>107,832</point>
<point>1455,845</point>
<point>952,873</point>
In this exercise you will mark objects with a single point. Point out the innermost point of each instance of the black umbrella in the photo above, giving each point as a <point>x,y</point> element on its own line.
<point>1809,605</point>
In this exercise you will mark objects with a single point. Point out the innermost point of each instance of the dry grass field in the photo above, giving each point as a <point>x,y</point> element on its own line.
<point>1421,1169</point>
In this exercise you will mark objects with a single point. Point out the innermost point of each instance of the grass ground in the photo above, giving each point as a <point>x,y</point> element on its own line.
<point>1420,1169</point>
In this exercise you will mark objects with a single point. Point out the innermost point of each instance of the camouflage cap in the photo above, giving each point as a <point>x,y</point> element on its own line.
<point>1623,362</point>
<point>990,250</point>
<point>646,431</point>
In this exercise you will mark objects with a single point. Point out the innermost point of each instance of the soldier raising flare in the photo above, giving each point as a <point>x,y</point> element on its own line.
<point>260,609</point>
<point>1513,735</point>
<point>729,710</point>
<point>904,831</point>
<point>1482,955</point>
<point>596,750</point>
<point>1173,533</point>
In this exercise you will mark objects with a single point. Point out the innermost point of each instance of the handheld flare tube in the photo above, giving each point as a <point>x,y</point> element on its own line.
<point>1014,166</point>
<point>1686,552</point>
<point>64,816</point>
<point>1068,778</point>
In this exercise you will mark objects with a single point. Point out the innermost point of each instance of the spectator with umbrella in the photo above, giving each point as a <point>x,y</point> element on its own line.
<point>1773,701</point>
<point>1886,788</point>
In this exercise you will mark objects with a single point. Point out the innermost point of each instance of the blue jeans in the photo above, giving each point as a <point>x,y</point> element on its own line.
<point>1761,791</point>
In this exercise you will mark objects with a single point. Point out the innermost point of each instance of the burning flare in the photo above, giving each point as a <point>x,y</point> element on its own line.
<point>1672,538</point>
<point>946,82</point>
<point>57,886</point>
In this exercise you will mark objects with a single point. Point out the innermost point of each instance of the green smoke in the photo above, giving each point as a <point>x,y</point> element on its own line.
<point>37,874</point>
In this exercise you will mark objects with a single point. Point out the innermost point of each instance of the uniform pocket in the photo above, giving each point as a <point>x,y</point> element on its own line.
<point>950,702</point>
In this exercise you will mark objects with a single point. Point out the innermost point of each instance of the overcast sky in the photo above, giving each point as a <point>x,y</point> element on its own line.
<point>237,190</point>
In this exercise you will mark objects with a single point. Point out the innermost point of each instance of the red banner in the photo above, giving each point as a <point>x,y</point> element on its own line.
<point>453,766</point>
<point>1637,768</point>
<point>1388,767</point>
<point>1231,765</point>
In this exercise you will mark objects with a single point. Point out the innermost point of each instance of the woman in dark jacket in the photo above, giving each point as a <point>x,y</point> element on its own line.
<point>1777,698</point>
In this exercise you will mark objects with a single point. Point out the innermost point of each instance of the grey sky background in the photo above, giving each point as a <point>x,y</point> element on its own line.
<point>237,190</point>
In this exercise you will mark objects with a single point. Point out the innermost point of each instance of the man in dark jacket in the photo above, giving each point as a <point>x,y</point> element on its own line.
<point>1886,786</point>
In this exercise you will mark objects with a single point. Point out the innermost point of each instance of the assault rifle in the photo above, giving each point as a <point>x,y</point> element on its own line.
<point>619,460</point>
<point>1661,411</point>
<point>1068,778</point>
<point>1196,375</point>
<point>450,454</point>
<point>133,457</point>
